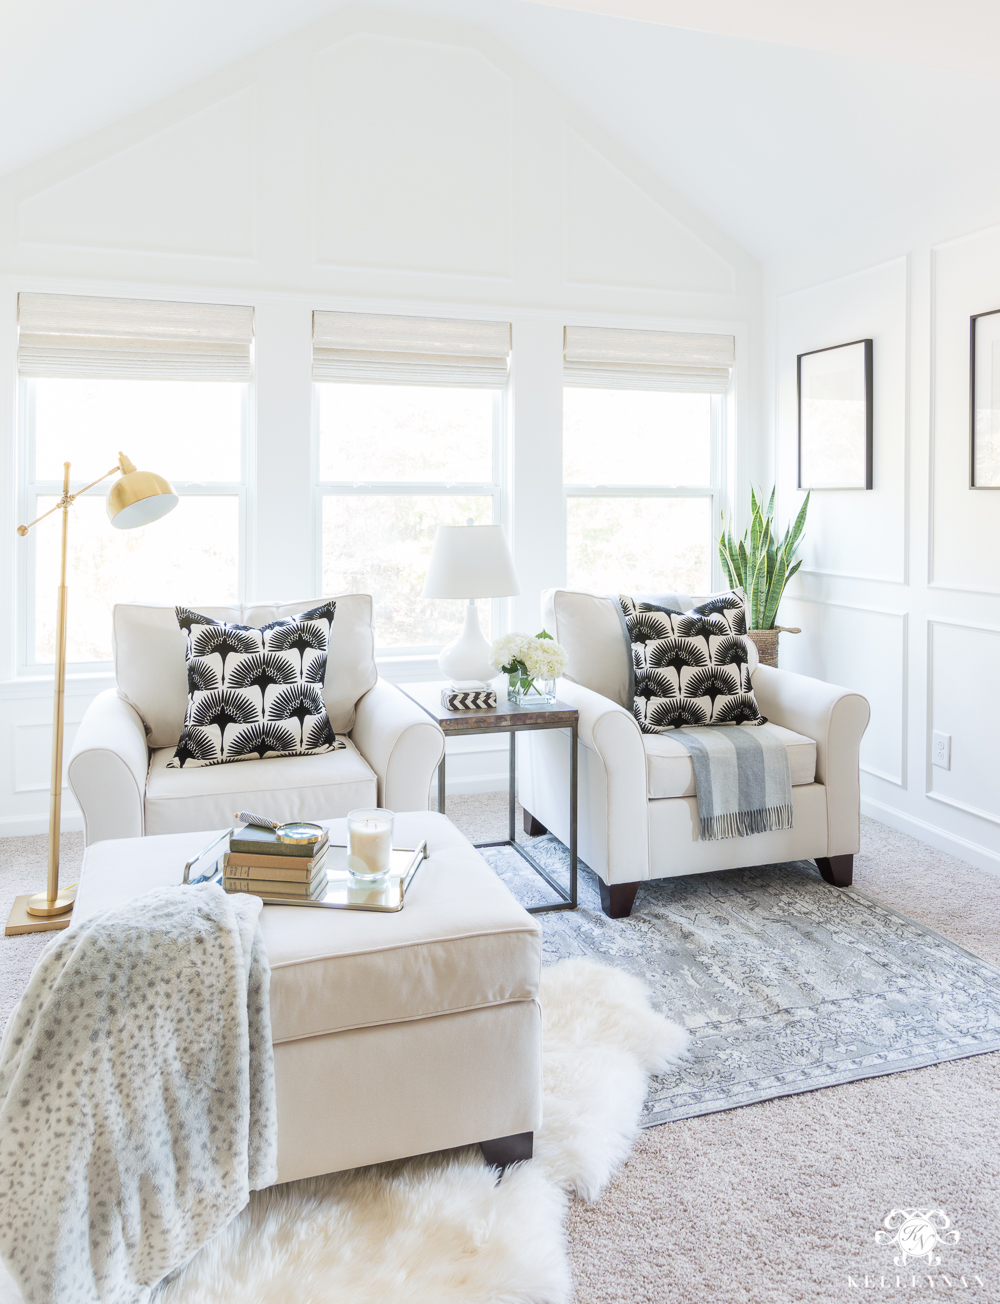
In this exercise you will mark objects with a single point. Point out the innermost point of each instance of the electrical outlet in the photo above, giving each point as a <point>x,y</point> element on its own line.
<point>941,750</point>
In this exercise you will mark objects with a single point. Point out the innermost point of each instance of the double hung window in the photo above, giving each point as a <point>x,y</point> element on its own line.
<point>166,383</point>
<point>410,423</point>
<point>643,434</point>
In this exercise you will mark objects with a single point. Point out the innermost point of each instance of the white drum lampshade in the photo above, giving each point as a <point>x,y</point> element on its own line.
<point>470,561</point>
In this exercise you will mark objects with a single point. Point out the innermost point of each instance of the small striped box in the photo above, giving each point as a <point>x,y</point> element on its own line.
<point>468,699</point>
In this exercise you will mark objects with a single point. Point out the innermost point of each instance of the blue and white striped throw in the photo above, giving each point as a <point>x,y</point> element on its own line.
<point>742,777</point>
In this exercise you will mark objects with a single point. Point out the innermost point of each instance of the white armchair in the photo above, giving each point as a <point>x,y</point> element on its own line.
<point>118,767</point>
<point>638,813</point>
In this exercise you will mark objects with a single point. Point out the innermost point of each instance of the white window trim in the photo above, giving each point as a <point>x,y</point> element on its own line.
<point>715,492</point>
<point>498,489</point>
<point>29,489</point>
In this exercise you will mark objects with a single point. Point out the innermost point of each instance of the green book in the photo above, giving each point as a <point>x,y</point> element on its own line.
<point>251,839</point>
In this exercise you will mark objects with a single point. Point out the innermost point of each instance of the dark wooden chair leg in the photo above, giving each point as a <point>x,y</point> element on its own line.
<point>617,899</point>
<point>505,1150</point>
<point>534,828</point>
<point>838,870</point>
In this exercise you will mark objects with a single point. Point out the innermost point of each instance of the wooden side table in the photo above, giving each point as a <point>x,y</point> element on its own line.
<point>511,720</point>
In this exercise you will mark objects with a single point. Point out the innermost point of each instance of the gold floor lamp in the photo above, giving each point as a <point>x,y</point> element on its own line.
<point>138,498</point>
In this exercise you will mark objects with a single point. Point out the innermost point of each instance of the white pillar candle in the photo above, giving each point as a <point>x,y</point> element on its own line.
<point>369,843</point>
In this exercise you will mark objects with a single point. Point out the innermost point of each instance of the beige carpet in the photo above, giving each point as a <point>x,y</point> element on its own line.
<point>775,1203</point>
<point>780,1202</point>
<point>23,865</point>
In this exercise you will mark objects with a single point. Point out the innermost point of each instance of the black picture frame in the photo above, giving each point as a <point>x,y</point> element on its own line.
<point>869,409</point>
<point>973,406</point>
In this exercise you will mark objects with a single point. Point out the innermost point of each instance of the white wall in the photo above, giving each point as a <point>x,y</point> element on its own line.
<point>899,594</point>
<point>377,163</point>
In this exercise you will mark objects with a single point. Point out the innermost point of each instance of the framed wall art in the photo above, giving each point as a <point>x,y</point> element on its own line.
<point>836,417</point>
<point>984,401</point>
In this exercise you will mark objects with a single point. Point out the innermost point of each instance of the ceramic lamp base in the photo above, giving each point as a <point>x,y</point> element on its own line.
<point>468,656</point>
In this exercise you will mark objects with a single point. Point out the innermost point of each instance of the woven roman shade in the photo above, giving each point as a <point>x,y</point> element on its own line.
<point>606,358</point>
<point>381,349</point>
<point>129,339</point>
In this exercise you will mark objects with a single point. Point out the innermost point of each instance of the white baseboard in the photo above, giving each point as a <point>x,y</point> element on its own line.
<point>476,764</point>
<point>14,826</point>
<point>479,783</point>
<point>972,852</point>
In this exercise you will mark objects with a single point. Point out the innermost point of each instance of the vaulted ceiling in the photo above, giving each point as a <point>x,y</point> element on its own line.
<point>786,122</point>
<point>955,35</point>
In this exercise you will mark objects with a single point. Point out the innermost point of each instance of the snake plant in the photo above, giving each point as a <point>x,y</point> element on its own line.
<point>759,563</point>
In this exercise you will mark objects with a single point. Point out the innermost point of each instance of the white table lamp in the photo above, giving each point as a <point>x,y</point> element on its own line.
<point>470,561</point>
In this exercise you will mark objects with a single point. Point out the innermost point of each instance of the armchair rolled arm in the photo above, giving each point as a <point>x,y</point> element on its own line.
<point>613,734</point>
<point>107,769</point>
<point>401,743</point>
<point>603,723</point>
<point>836,719</point>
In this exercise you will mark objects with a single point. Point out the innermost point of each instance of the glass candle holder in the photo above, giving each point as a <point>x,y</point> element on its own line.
<point>369,844</point>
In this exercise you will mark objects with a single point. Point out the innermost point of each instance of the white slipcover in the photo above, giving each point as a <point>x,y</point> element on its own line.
<point>638,816</point>
<point>283,787</point>
<point>670,773</point>
<point>117,767</point>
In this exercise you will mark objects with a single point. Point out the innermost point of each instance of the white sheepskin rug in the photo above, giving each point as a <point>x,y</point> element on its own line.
<point>440,1229</point>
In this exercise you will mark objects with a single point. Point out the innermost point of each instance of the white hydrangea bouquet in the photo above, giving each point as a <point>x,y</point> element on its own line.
<point>532,665</point>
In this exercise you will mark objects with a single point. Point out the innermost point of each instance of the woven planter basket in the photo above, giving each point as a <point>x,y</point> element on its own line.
<point>767,642</point>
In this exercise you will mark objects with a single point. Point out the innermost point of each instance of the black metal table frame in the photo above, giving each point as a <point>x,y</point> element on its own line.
<point>565,902</point>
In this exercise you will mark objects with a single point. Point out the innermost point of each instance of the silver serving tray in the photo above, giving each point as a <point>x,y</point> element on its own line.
<point>343,891</point>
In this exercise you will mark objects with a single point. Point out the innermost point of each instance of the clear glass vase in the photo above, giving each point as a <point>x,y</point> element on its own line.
<point>522,691</point>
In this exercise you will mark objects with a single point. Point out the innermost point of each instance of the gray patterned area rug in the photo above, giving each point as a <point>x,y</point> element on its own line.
<point>786,983</point>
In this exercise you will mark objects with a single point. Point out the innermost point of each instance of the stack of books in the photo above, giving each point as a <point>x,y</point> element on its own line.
<point>287,871</point>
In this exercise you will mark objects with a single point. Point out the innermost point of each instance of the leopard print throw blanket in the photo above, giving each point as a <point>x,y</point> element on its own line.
<point>136,1095</point>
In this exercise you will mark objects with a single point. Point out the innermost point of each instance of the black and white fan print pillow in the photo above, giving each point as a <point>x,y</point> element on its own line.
<point>691,667</point>
<point>254,693</point>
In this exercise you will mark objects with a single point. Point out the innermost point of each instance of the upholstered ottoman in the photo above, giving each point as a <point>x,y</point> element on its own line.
<point>394,1034</point>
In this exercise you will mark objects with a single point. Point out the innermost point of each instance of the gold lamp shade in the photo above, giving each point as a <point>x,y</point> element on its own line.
<point>138,497</point>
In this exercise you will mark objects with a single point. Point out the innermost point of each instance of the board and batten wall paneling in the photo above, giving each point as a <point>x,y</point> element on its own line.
<point>33,755</point>
<point>964,523</point>
<point>921,553</point>
<point>26,753</point>
<point>188,189</point>
<point>413,158</point>
<point>854,533</point>
<point>863,649</point>
<point>963,702</point>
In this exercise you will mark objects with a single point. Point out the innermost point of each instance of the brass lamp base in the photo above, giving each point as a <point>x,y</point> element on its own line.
<point>20,921</point>
<point>40,905</point>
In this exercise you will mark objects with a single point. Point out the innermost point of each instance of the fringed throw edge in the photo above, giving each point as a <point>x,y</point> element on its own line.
<point>741,823</point>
